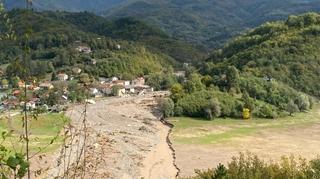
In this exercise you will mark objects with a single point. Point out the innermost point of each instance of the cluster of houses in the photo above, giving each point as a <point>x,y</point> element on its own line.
<point>104,87</point>
<point>108,86</point>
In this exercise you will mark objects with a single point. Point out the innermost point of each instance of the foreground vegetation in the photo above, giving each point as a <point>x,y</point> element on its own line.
<point>251,167</point>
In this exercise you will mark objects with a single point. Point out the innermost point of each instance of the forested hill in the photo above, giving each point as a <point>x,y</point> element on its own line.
<point>131,29</point>
<point>285,51</point>
<point>55,47</point>
<point>75,26</point>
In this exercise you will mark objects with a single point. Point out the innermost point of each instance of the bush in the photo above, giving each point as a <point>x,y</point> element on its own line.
<point>303,102</point>
<point>178,111</point>
<point>292,108</point>
<point>213,110</point>
<point>266,111</point>
<point>251,167</point>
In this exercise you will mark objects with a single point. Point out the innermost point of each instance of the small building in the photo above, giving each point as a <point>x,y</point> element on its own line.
<point>105,89</point>
<point>30,105</point>
<point>130,89</point>
<point>4,86</point>
<point>46,86</point>
<point>84,49</point>
<point>76,70</point>
<point>127,83</point>
<point>118,46</point>
<point>139,81</point>
<point>62,77</point>
<point>114,79</point>
<point>181,74</point>
<point>92,62</point>
<point>119,82</point>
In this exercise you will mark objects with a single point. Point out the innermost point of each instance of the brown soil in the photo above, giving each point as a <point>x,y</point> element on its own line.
<point>269,145</point>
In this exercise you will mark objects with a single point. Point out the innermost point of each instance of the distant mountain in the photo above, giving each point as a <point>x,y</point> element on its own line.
<point>211,23</point>
<point>207,23</point>
<point>66,5</point>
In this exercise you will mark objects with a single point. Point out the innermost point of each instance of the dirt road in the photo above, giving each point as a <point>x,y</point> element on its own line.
<point>125,140</point>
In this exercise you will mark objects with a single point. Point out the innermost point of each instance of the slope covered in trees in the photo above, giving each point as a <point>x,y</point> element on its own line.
<point>130,29</point>
<point>55,47</point>
<point>270,71</point>
<point>285,51</point>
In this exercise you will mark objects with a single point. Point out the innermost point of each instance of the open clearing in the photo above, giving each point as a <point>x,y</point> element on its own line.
<point>203,144</point>
<point>43,130</point>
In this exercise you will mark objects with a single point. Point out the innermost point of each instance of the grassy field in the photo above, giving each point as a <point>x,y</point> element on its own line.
<point>201,131</point>
<point>43,130</point>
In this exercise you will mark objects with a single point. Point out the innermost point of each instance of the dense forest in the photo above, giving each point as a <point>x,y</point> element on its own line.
<point>55,43</point>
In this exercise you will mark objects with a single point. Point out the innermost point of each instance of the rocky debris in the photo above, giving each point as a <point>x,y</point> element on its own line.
<point>122,132</point>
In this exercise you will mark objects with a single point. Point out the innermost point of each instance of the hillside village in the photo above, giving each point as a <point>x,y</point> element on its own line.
<point>63,88</point>
<point>40,93</point>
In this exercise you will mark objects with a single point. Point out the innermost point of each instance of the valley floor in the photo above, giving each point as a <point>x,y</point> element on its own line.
<point>205,144</point>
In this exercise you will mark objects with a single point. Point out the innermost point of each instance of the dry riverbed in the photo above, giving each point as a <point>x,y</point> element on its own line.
<point>125,140</point>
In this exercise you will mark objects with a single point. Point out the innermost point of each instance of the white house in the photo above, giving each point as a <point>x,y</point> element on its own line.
<point>127,83</point>
<point>180,74</point>
<point>62,77</point>
<point>114,78</point>
<point>46,86</point>
<point>84,49</point>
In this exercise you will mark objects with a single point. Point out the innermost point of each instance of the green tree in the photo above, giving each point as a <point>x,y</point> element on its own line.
<point>177,92</point>
<point>213,109</point>
<point>194,83</point>
<point>292,107</point>
<point>232,77</point>
<point>303,102</point>
<point>166,107</point>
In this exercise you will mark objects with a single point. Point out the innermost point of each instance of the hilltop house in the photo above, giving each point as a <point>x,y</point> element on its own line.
<point>84,49</point>
<point>91,61</point>
<point>62,77</point>
<point>181,74</point>
<point>76,70</point>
